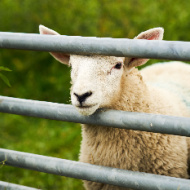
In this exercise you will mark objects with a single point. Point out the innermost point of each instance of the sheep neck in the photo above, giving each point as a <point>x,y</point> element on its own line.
<point>134,95</point>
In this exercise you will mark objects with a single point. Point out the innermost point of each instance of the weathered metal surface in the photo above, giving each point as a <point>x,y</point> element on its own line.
<point>173,50</point>
<point>11,186</point>
<point>111,118</point>
<point>79,170</point>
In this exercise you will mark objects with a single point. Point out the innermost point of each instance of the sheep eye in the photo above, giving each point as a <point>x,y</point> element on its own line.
<point>118,66</point>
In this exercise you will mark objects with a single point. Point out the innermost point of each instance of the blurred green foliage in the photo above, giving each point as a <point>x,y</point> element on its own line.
<point>3,77</point>
<point>36,75</point>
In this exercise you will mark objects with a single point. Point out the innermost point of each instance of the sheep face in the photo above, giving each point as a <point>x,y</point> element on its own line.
<point>95,81</point>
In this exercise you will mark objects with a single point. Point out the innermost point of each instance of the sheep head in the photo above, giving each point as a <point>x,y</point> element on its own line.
<point>96,80</point>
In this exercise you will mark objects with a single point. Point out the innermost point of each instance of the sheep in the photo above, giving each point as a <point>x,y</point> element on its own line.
<point>114,83</point>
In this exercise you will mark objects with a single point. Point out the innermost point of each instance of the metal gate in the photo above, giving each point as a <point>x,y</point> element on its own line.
<point>112,118</point>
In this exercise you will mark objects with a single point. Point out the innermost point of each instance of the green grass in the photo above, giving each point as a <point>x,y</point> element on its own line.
<point>44,137</point>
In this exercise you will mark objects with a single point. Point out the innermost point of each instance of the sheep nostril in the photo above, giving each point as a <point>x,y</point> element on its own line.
<point>76,95</point>
<point>81,98</point>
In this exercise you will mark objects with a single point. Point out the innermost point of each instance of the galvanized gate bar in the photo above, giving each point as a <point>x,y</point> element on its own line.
<point>102,174</point>
<point>173,50</point>
<point>111,118</point>
<point>11,186</point>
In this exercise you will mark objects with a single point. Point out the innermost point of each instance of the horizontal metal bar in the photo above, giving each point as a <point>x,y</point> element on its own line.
<point>110,118</point>
<point>173,50</point>
<point>90,172</point>
<point>11,186</point>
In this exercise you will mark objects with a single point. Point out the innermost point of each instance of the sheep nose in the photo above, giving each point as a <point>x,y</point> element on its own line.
<point>83,97</point>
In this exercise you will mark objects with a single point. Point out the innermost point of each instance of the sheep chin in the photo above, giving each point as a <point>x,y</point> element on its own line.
<point>87,111</point>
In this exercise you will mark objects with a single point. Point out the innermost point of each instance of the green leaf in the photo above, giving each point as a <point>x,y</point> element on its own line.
<point>5,79</point>
<point>4,69</point>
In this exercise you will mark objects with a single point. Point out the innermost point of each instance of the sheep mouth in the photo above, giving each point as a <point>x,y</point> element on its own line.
<point>86,107</point>
<point>87,110</point>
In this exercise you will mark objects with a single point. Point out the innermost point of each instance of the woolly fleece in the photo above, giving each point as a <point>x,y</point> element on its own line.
<point>159,89</point>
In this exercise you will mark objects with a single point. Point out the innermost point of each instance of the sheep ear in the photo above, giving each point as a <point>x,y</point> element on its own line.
<point>152,34</point>
<point>63,58</point>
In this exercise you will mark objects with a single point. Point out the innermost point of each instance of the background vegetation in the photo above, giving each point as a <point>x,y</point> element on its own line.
<point>36,75</point>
